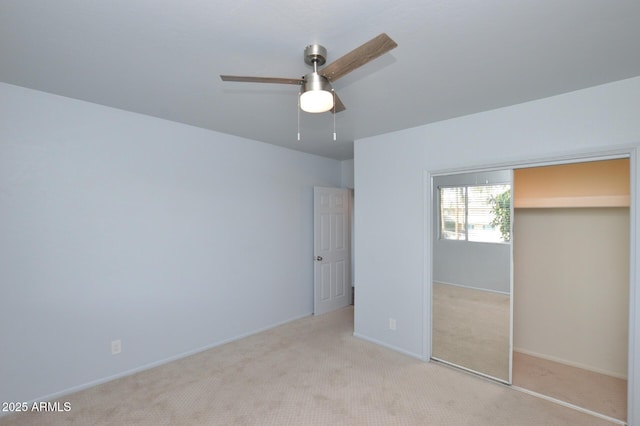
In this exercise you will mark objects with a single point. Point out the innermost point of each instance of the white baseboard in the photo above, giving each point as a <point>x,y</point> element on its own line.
<point>388,346</point>
<point>571,363</point>
<point>60,394</point>
<point>473,288</point>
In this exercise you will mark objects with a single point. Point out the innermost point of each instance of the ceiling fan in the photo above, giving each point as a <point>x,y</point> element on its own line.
<point>316,93</point>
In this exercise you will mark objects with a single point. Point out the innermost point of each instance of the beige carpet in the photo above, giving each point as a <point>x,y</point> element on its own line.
<point>308,372</point>
<point>471,329</point>
<point>586,389</point>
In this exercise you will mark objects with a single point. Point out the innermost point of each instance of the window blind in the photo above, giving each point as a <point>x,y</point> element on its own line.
<point>479,213</point>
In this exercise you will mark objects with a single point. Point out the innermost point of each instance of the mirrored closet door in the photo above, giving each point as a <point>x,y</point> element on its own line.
<point>472,272</point>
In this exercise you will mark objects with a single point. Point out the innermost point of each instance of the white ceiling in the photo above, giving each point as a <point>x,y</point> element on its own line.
<point>163,58</point>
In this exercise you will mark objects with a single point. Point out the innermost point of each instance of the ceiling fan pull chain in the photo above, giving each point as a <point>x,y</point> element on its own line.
<point>334,114</point>
<point>299,115</point>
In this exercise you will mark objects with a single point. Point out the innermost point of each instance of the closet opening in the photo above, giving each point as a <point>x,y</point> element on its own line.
<point>571,283</point>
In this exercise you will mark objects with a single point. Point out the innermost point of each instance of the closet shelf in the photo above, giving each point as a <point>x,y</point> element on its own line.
<point>572,202</point>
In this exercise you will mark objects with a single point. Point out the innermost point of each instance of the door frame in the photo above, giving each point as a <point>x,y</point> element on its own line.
<point>633,154</point>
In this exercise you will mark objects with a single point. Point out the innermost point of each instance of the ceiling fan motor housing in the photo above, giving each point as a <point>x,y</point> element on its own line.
<point>315,81</point>
<point>316,94</point>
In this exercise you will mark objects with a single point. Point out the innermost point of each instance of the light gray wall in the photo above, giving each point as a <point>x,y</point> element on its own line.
<point>347,173</point>
<point>347,182</point>
<point>116,225</point>
<point>482,266</point>
<point>391,175</point>
<point>571,286</point>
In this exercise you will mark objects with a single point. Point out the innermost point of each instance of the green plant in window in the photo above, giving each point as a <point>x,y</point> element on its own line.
<point>501,209</point>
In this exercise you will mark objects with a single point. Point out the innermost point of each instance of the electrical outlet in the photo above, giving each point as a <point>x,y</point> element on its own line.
<point>392,324</point>
<point>116,347</point>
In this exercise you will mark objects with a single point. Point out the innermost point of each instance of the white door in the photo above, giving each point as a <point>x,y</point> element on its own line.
<point>332,255</point>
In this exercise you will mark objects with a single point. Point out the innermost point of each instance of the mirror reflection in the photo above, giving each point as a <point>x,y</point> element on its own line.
<point>471,329</point>
<point>471,293</point>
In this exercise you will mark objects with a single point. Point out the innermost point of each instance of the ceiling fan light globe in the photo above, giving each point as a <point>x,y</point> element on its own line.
<point>316,95</point>
<point>316,101</point>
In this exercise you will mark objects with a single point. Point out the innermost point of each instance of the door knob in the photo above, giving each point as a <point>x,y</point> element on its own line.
<point>318,258</point>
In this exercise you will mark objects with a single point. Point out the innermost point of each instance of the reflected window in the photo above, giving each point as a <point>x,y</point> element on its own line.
<point>480,213</point>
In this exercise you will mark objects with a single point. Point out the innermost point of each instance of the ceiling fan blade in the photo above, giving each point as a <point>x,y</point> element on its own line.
<point>276,80</point>
<point>359,56</point>
<point>338,106</point>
